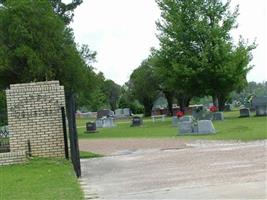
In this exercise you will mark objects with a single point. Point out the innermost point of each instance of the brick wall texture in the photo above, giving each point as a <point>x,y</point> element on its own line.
<point>34,114</point>
<point>13,158</point>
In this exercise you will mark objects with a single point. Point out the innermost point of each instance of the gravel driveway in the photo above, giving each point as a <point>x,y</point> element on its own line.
<point>174,169</point>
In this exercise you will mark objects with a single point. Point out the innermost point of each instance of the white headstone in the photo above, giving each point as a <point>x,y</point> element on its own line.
<point>185,127</point>
<point>205,127</point>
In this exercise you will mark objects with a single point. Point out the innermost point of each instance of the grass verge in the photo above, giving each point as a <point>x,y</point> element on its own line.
<point>87,155</point>
<point>39,179</point>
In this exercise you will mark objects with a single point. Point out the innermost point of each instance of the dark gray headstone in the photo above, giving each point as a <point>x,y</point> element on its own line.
<point>244,112</point>
<point>259,101</point>
<point>227,107</point>
<point>205,127</point>
<point>90,127</point>
<point>261,110</point>
<point>105,113</point>
<point>137,121</point>
<point>218,116</point>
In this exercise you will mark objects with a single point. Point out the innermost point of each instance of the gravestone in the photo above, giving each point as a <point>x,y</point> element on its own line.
<point>137,121</point>
<point>34,114</point>
<point>104,113</point>
<point>227,107</point>
<point>244,112</point>
<point>260,105</point>
<point>119,112</point>
<point>218,116</point>
<point>105,122</point>
<point>175,121</point>
<point>203,115</point>
<point>99,123</point>
<point>186,118</point>
<point>90,127</point>
<point>185,127</point>
<point>126,112</point>
<point>108,122</point>
<point>205,127</point>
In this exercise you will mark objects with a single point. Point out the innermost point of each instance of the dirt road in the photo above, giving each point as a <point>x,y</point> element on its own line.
<point>173,169</point>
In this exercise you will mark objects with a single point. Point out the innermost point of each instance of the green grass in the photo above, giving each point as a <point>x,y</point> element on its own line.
<point>39,179</point>
<point>87,155</point>
<point>232,128</point>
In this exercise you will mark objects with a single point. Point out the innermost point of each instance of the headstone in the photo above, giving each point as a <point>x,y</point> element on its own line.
<point>118,112</point>
<point>260,104</point>
<point>186,118</point>
<point>126,112</point>
<point>218,116</point>
<point>185,127</point>
<point>261,110</point>
<point>99,123</point>
<point>108,122</point>
<point>105,113</point>
<point>90,127</point>
<point>227,107</point>
<point>205,127</point>
<point>203,115</point>
<point>244,112</point>
<point>137,121</point>
<point>175,121</point>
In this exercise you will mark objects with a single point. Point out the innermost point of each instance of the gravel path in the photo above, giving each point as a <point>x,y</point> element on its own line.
<point>174,169</point>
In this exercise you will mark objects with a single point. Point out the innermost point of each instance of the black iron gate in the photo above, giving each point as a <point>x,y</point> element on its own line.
<point>74,146</point>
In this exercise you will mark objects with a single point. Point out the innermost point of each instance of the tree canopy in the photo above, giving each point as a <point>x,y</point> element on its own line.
<point>144,86</point>
<point>35,45</point>
<point>197,55</point>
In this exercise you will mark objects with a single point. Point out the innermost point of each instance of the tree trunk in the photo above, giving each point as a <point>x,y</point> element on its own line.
<point>221,102</point>
<point>215,100</point>
<point>148,105</point>
<point>183,102</point>
<point>169,97</point>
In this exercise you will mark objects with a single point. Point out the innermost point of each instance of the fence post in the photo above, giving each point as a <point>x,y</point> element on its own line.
<point>65,133</point>
<point>75,154</point>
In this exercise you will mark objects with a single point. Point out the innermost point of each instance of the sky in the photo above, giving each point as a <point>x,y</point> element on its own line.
<point>122,33</point>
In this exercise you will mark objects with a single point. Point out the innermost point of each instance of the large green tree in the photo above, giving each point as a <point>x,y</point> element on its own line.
<point>197,51</point>
<point>144,86</point>
<point>64,10</point>
<point>112,92</point>
<point>35,45</point>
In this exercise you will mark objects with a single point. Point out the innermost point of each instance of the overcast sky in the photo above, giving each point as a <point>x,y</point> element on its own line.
<point>123,31</point>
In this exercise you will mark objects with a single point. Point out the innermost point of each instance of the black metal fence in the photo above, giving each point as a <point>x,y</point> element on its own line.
<point>4,140</point>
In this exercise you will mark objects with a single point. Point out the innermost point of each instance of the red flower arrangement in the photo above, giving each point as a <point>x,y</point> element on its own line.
<point>179,114</point>
<point>213,109</point>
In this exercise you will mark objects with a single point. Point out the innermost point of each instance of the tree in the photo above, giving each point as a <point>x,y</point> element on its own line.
<point>112,92</point>
<point>144,86</point>
<point>35,45</point>
<point>63,10</point>
<point>197,51</point>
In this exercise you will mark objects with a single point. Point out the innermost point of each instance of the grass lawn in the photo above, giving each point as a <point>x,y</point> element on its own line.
<point>39,179</point>
<point>232,128</point>
<point>87,155</point>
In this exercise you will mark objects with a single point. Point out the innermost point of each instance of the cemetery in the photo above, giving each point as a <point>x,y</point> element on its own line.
<point>182,118</point>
